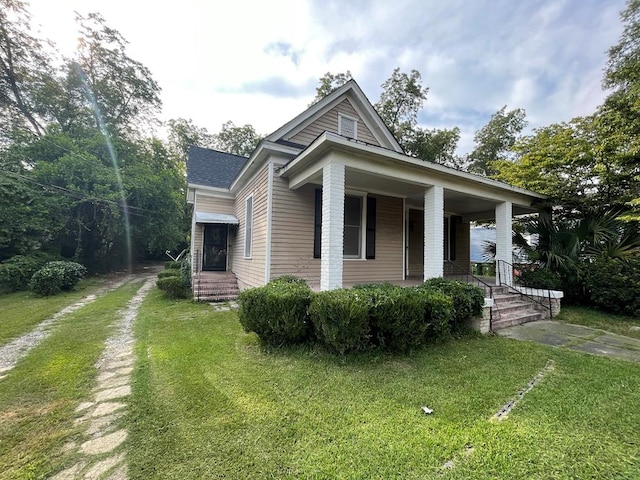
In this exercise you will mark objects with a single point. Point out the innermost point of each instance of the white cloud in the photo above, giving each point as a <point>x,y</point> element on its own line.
<point>258,62</point>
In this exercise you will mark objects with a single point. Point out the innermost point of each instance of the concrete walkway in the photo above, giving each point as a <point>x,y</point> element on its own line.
<point>576,337</point>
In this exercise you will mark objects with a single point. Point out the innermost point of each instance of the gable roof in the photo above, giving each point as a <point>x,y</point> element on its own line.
<point>212,168</point>
<point>360,102</point>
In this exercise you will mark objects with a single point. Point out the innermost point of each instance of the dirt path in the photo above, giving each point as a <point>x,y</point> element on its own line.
<point>101,415</point>
<point>13,351</point>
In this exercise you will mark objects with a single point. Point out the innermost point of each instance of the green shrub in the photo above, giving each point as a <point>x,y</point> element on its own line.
<point>173,265</point>
<point>170,272</point>
<point>468,300</point>
<point>540,278</point>
<point>341,319</point>
<point>185,273</point>
<point>614,285</point>
<point>57,276</point>
<point>438,313</point>
<point>396,316</point>
<point>172,287</point>
<point>277,312</point>
<point>16,272</point>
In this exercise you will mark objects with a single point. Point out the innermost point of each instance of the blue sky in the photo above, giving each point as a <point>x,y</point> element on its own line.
<point>259,62</point>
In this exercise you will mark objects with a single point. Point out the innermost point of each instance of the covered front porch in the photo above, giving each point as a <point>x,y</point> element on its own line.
<point>438,204</point>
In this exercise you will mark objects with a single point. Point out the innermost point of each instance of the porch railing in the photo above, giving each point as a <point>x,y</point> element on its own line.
<point>453,270</point>
<point>195,274</point>
<point>505,273</point>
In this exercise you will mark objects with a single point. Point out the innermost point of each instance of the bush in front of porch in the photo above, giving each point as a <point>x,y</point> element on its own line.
<point>286,311</point>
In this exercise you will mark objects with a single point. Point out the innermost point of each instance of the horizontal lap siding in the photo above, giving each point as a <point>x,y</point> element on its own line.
<point>292,232</point>
<point>292,238</point>
<point>329,122</point>
<point>387,266</point>
<point>463,244</point>
<point>207,204</point>
<point>250,271</point>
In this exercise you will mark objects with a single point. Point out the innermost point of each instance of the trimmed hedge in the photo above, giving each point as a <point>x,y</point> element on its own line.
<point>341,319</point>
<point>169,272</point>
<point>173,287</point>
<point>16,272</point>
<point>57,276</point>
<point>277,312</point>
<point>171,264</point>
<point>373,315</point>
<point>468,300</point>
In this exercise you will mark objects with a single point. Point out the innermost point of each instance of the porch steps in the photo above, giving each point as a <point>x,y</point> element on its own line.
<point>511,309</point>
<point>215,287</point>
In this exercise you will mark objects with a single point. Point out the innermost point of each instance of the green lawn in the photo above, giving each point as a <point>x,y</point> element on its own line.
<point>208,402</point>
<point>629,326</point>
<point>22,311</point>
<point>39,396</point>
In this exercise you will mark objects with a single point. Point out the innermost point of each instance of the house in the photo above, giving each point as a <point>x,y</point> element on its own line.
<point>331,197</point>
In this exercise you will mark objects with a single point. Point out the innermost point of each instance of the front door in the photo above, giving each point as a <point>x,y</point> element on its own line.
<point>215,247</point>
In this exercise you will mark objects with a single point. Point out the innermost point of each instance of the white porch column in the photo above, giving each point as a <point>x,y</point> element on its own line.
<point>504,242</point>
<point>332,226</point>
<point>433,232</point>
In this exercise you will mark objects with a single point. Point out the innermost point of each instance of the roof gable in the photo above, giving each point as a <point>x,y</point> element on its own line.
<point>212,168</point>
<point>349,100</point>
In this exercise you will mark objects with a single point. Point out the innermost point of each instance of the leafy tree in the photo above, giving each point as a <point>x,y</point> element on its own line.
<point>330,82</point>
<point>184,133</point>
<point>237,140</point>
<point>495,139</point>
<point>401,99</point>
<point>24,70</point>
<point>437,146</point>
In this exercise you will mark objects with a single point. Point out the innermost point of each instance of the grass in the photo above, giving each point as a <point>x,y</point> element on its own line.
<point>38,397</point>
<point>21,311</point>
<point>597,319</point>
<point>208,402</point>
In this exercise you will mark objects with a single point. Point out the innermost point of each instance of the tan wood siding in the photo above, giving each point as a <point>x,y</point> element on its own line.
<point>250,271</point>
<point>463,243</point>
<point>292,232</point>
<point>208,204</point>
<point>387,266</point>
<point>329,122</point>
<point>292,239</point>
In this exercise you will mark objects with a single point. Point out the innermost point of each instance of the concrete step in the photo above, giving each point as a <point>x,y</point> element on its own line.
<point>513,307</point>
<point>217,298</point>
<point>512,319</point>
<point>503,298</point>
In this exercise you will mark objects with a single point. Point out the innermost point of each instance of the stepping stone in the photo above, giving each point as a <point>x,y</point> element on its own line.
<point>124,371</point>
<point>112,393</point>
<point>103,424</point>
<point>84,406</point>
<point>103,467</point>
<point>102,376</point>
<point>112,382</point>
<point>107,408</point>
<point>119,474</point>
<point>70,473</point>
<point>104,444</point>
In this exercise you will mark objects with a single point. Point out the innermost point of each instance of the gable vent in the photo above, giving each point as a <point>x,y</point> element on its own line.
<point>347,127</point>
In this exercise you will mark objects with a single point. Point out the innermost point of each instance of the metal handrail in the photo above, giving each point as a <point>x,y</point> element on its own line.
<point>196,265</point>
<point>500,264</point>
<point>474,281</point>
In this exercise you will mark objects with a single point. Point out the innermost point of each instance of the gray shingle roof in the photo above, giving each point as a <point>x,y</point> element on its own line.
<point>212,168</point>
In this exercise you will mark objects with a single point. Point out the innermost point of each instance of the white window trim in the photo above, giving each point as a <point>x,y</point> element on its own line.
<point>248,241</point>
<point>355,125</point>
<point>363,226</point>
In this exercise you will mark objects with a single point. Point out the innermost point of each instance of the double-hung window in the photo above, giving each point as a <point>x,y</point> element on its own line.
<point>352,227</point>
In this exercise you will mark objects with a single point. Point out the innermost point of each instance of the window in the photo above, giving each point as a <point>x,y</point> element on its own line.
<point>347,126</point>
<point>248,226</point>
<point>352,227</point>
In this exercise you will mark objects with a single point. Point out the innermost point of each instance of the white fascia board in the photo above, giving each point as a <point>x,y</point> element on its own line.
<point>264,149</point>
<point>210,191</point>
<point>387,165</point>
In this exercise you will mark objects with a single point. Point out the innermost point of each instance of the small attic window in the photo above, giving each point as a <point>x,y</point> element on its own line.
<point>347,126</point>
